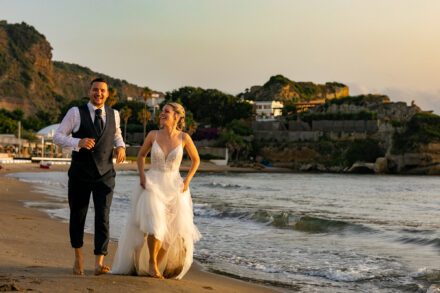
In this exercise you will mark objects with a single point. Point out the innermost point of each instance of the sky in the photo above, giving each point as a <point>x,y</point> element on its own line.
<point>377,46</point>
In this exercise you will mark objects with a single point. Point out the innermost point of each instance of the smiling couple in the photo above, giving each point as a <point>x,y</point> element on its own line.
<point>159,234</point>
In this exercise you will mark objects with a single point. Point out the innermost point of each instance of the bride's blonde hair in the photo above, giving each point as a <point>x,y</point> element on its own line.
<point>181,112</point>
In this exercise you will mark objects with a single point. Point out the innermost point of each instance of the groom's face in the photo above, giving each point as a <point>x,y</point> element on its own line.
<point>98,94</point>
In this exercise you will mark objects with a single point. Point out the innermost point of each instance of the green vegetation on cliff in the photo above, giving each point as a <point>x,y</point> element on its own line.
<point>423,128</point>
<point>361,100</point>
<point>280,88</point>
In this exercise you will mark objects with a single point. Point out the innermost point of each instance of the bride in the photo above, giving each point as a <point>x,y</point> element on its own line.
<point>158,238</point>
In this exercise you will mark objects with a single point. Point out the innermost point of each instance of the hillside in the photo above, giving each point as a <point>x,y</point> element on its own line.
<point>31,81</point>
<point>280,88</point>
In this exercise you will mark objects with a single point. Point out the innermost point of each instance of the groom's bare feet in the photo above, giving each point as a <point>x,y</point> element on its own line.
<point>78,265</point>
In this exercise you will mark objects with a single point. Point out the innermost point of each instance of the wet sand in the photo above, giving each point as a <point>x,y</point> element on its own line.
<point>35,253</point>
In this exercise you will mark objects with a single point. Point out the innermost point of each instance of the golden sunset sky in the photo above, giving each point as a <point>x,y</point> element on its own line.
<point>376,46</point>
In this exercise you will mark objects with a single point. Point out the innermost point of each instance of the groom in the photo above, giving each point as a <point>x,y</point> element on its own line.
<point>95,130</point>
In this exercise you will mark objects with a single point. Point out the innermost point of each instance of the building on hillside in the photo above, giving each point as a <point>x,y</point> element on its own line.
<point>153,103</point>
<point>305,106</point>
<point>267,110</point>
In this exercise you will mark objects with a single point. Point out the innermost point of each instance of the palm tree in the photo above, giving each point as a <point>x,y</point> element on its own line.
<point>191,124</point>
<point>126,113</point>
<point>112,97</point>
<point>143,116</point>
<point>233,142</point>
<point>146,95</point>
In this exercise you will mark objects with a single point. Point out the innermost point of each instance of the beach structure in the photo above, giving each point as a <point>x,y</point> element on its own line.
<point>11,144</point>
<point>46,136</point>
<point>56,155</point>
<point>222,162</point>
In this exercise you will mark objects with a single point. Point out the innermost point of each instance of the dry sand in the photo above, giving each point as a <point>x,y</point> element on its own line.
<point>35,253</point>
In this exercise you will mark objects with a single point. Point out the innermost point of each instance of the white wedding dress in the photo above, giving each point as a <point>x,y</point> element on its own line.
<point>162,210</point>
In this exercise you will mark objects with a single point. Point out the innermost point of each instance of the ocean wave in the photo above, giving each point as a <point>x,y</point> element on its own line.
<point>122,197</point>
<point>346,274</point>
<point>46,205</point>
<point>278,219</point>
<point>226,185</point>
<point>307,224</point>
<point>416,231</point>
<point>43,182</point>
<point>429,275</point>
<point>421,241</point>
<point>205,210</point>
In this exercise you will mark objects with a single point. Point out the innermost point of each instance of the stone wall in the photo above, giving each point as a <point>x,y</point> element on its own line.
<point>214,151</point>
<point>280,135</point>
<point>398,111</point>
<point>265,125</point>
<point>302,131</point>
<point>368,126</point>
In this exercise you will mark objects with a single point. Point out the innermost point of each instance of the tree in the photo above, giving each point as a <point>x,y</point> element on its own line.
<point>143,116</point>
<point>234,142</point>
<point>289,108</point>
<point>146,95</point>
<point>112,97</point>
<point>191,124</point>
<point>237,137</point>
<point>211,107</point>
<point>7,124</point>
<point>126,113</point>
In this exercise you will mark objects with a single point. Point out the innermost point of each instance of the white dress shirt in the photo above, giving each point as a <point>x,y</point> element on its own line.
<point>71,123</point>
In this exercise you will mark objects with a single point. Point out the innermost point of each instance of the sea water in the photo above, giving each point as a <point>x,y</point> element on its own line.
<point>300,232</point>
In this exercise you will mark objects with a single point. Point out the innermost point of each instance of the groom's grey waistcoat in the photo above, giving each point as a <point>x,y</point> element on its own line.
<point>100,158</point>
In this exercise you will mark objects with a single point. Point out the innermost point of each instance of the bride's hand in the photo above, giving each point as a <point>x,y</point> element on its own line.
<point>185,186</point>
<point>142,181</point>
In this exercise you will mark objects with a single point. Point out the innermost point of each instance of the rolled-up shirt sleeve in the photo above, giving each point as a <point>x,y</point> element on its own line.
<point>63,133</point>
<point>118,142</point>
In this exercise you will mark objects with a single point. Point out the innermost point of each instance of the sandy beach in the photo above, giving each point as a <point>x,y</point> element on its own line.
<point>35,253</point>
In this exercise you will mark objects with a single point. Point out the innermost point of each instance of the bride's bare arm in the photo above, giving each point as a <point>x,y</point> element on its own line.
<point>195,160</point>
<point>143,152</point>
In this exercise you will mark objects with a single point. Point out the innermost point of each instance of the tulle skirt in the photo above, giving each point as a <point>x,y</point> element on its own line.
<point>162,210</point>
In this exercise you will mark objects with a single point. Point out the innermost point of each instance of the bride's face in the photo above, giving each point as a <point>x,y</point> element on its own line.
<point>168,116</point>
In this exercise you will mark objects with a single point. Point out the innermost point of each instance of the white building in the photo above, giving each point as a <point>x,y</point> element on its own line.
<point>154,102</point>
<point>267,110</point>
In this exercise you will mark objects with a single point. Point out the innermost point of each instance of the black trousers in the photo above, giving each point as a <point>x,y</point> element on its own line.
<point>79,191</point>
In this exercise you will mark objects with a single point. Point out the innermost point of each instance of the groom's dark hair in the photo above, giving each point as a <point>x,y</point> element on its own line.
<point>98,79</point>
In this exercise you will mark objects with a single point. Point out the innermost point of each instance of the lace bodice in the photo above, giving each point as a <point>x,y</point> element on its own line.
<point>168,164</point>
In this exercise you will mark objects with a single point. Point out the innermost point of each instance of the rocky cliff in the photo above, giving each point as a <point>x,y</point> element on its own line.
<point>32,82</point>
<point>280,88</point>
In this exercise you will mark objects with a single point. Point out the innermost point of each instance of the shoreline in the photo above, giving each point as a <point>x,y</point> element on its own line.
<point>205,167</point>
<point>35,252</point>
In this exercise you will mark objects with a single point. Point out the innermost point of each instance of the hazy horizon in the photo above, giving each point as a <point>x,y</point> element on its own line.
<point>387,47</point>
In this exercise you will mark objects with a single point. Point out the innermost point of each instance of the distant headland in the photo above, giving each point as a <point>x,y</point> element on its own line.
<point>302,126</point>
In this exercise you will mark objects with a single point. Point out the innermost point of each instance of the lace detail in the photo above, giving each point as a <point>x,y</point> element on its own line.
<point>170,163</point>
